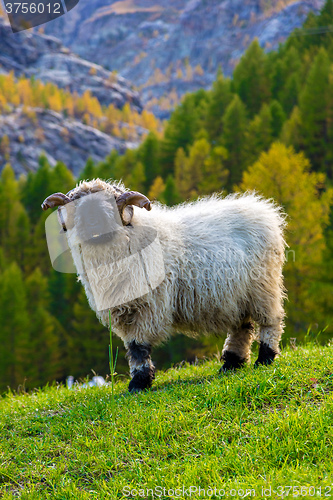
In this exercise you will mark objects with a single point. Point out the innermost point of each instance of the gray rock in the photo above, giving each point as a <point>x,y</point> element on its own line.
<point>137,37</point>
<point>60,139</point>
<point>45,58</point>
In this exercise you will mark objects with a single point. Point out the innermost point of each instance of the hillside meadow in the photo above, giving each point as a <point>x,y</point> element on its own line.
<point>264,433</point>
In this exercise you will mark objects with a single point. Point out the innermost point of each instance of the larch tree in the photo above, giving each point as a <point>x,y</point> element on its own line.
<point>285,176</point>
<point>259,135</point>
<point>148,154</point>
<point>15,328</point>
<point>45,333</point>
<point>219,99</point>
<point>313,109</point>
<point>250,79</point>
<point>157,189</point>
<point>234,128</point>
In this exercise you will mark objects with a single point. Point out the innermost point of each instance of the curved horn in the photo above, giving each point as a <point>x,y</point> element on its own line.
<point>54,200</point>
<point>132,198</point>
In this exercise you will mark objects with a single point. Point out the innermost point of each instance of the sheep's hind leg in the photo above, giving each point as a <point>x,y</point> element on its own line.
<point>141,366</point>
<point>269,337</point>
<point>237,347</point>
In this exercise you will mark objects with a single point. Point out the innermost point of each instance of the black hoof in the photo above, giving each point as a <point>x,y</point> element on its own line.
<point>266,355</point>
<point>231,361</point>
<point>142,379</point>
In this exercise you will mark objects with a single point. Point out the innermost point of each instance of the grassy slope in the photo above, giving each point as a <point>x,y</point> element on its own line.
<point>248,429</point>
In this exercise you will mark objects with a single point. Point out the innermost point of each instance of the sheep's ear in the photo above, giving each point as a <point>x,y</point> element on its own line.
<point>127,215</point>
<point>125,202</point>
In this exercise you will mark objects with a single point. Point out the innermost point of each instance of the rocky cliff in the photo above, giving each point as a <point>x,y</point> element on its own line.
<point>40,131</point>
<point>45,58</point>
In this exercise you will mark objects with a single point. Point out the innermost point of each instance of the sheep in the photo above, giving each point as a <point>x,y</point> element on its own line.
<point>222,260</point>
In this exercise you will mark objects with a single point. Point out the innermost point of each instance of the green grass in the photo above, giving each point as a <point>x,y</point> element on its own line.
<point>249,429</point>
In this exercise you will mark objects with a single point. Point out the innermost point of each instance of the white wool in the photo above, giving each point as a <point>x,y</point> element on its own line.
<point>223,262</point>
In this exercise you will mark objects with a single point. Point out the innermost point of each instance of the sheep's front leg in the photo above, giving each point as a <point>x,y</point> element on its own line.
<point>142,369</point>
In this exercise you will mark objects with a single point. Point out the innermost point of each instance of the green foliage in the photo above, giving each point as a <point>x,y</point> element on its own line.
<point>259,134</point>
<point>45,334</point>
<point>37,187</point>
<point>234,130</point>
<point>284,176</point>
<point>181,129</point>
<point>88,172</point>
<point>202,171</point>
<point>278,118</point>
<point>148,155</point>
<point>171,193</point>
<point>314,110</point>
<point>15,328</point>
<point>219,99</point>
<point>106,169</point>
<point>250,79</point>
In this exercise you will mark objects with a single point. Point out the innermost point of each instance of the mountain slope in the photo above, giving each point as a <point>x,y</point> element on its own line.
<point>46,132</point>
<point>164,45</point>
<point>45,58</point>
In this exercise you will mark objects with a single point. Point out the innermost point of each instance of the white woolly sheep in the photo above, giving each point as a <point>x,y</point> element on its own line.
<point>222,260</point>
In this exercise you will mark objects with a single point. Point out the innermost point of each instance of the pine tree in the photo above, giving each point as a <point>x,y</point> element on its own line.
<point>106,168</point>
<point>202,171</point>
<point>8,197</point>
<point>88,173</point>
<point>125,164</point>
<point>250,80</point>
<point>323,20</point>
<point>219,98</point>
<point>15,354</point>
<point>3,261</point>
<point>37,188</point>
<point>234,126</point>
<point>313,110</point>
<point>290,94</point>
<point>148,154</point>
<point>45,334</point>
<point>291,131</point>
<point>62,179</point>
<point>37,252</point>
<point>171,194</point>
<point>278,118</point>
<point>181,129</point>
<point>14,222</point>
<point>278,77</point>
<point>137,178</point>
<point>58,303</point>
<point>259,135</point>
<point>329,127</point>
<point>18,239</point>
<point>214,173</point>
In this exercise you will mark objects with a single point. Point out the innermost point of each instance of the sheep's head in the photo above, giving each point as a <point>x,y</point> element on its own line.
<point>96,211</point>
